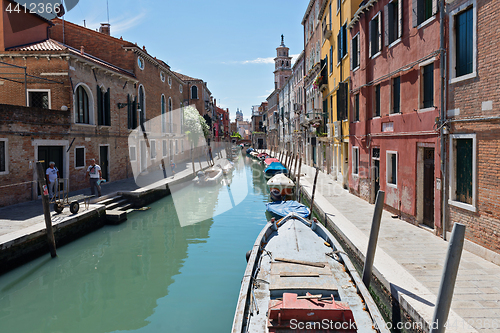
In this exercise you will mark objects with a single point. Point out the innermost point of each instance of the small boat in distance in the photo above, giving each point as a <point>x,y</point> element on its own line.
<point>297,275</point>
<point>280,209</point>
<point>210,176</point>
<point>281,183</point>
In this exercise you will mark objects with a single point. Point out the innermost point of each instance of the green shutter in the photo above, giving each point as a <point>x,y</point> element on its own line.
<point>463,170</point>
<point>99,106</point>
<point>107,108</point>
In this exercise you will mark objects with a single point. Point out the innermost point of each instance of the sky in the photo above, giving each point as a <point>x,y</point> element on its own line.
<point>228,44</point>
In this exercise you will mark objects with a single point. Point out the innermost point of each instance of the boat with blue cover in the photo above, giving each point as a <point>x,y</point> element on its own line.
<point>283,208</point>
<point>274,168</point>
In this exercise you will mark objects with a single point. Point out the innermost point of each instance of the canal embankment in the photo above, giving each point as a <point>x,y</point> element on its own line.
<point>408,263</point>
<point>23,235</point>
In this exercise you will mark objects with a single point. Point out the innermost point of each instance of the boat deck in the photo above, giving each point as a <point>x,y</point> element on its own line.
<point>294,240</point>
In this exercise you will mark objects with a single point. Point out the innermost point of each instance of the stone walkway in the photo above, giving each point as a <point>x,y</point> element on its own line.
<point>410,260</point>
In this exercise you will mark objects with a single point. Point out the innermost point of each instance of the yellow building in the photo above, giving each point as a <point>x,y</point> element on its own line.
<point>335,16</point>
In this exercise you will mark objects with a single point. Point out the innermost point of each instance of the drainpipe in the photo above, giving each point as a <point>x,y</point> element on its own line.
<point>444,187</point>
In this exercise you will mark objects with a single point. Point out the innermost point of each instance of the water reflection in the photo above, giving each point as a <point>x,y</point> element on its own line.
<point>149,274</point>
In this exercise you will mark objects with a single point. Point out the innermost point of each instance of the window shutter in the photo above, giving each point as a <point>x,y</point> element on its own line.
<point>99,106</point>
<point>379,33</point>
<point>400,17</point>
<point>358,56</point>
<point>387,8</point>
<point>351,55</point>
<point>108,108</point>
<point>434,7</point>
<point>414,10</point>
<point>339,46</point>
<point>134,113</point>
<point>129,113</point>
<point>370,38</point>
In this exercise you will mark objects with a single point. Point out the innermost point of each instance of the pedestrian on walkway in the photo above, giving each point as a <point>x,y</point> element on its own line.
<point>172,167</point>
<point>52,175</point>
<point>94,172</point>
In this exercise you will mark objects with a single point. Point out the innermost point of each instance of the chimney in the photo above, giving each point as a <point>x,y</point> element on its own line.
<point>82,49</point>
<point>105,29</point>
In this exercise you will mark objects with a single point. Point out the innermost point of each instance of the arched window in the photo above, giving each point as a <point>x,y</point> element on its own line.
<point>142,105</point>
<point>82,106</point>
<point>194,92</point>
<point>170,115</point>
<point>163,114</point>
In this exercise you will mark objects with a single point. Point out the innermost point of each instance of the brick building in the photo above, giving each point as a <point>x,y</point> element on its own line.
<point>473,117</point>
<point>395,100</point>
<point>69,97</point>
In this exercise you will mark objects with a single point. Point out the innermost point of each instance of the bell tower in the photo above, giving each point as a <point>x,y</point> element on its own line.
<point>282,65</point>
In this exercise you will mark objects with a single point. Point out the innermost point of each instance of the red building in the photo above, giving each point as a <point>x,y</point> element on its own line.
<point>394,103</point>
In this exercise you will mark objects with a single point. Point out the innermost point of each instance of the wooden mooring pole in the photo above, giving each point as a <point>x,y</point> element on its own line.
<point>297,191</point>
<point>46,209</point>
<point>372,242</point>
<point>314,191</point>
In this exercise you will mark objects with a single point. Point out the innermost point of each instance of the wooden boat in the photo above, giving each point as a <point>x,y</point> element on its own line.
<point>282,183</point>
<point>210,176</point>
<point>299,279</point>
<point>270,160</point>
<point>280,209</point>
<point>227,168</point>
<point>274,169</point>
<point>254,154</point>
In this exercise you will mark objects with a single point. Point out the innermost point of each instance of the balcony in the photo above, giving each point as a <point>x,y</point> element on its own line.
<point>327,31</point>
<point>315,116</point>
<point>297,107</point>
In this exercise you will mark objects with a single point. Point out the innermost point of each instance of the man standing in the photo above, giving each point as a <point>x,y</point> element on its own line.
<point>94,172</point>
<point>52,174</point>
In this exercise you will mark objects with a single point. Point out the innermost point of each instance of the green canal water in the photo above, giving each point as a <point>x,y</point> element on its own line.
<point>156,272</point>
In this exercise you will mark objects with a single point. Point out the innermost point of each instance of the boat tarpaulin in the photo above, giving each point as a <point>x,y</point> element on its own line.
<point>274,168</point>
<point>283,208</point>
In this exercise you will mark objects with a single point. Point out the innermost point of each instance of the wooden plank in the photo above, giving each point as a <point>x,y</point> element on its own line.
<point>295,274</point>
<point>301,262</point>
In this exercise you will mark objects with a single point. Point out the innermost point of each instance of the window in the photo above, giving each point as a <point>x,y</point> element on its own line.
<point>170,81</point>
<point>162,76</point>
<point>464,48</point>
<point>39,98</point>
<point>355,52</point>
<point>131,112</point>
<point>153,149</point>
<point>182,146</point>
<point>377,101</point>
<point>180,88</point>
<point>331,59</point>
<point>392,168</point>
<point>165,148</point>
<point>393,21</point>
<point>423,10</point>
<point>140,62</point>
<point>176,147</point>
<point>79,157</point>
<point>142,106</point>
<point>356,107</point>
<point>463,171</point>
<point>133,156</point>
<point>338,5</point>
<point>4,157</point>
<point>375,32</point>
<point>103,107</point>
<point>342,43</point>
<point>396,95</point>
<point>163,115</point>
<point>428,86</point>
<point>355,160</point>
<point>82,106</point>
<point>194,92</point>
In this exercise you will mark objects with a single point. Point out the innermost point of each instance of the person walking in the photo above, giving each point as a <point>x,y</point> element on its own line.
<point>52,174</point>
<point>94,172</point>
<point>172,167</point>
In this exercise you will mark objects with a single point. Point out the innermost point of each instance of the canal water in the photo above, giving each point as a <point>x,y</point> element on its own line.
<point>174,268</point>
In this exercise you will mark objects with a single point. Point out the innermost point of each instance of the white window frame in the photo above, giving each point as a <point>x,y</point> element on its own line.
<point>197,93</point>
<point>170,82</point>
<point>164,152</point>
<point>152,148</point>
<point>6,172</point>
<point>355,160</point>
<point>388,168</point>
<point>359,53</point>
<point>380,42</point>
<point>421,91</point>
<point>452,186</point>
<point>182,146</point>
<point>84,157</point>
<point>162,76</point>
<point>452,42</point>
<point>92,109</point>
<point>135,153</point>
<point>180,88</point>
<point>142,61</point>
<point>38,90</point>
<point>176,143</point>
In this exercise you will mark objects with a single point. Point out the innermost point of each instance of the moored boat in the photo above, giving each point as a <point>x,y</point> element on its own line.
<point>275,168</point>
<point>283,208</point>
<point>281,183</point>
<point>269,160</point>
<point>298,278</point>
<point>210,176</point>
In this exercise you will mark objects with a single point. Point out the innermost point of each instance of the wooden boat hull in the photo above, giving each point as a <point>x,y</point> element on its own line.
<point>281,183</point>
<point>212,177</point>
<point>296,258</point>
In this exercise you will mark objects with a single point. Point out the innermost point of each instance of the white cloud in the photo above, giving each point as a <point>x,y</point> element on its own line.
<point>125,23</point>
<point>268,60</point>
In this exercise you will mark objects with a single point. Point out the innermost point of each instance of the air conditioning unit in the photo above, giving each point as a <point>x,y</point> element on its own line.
<point>337,130</point>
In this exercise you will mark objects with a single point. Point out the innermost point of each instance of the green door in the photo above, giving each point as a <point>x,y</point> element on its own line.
<point>103,162</point>
<point>48,154</point>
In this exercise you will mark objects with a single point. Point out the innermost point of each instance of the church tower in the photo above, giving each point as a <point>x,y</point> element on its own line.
<point>282,65</point>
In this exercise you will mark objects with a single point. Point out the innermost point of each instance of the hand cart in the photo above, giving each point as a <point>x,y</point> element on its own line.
<point>61,198</point>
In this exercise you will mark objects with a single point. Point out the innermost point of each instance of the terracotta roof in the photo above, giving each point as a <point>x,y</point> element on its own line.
<point>185,77</point>
<point>46,45</point>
